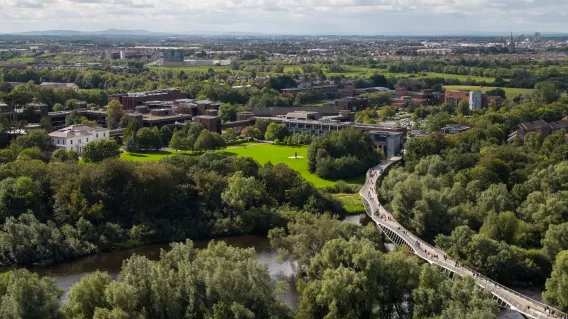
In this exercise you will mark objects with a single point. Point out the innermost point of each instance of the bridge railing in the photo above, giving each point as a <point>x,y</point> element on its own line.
<point>482,280</point>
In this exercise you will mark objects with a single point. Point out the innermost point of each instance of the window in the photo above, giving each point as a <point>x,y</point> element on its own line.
<point>87,140</point>
<point>57,142</point>
<point>71,142</point>
<point>97,135</point>
<point>63,142</point>
<point>79,141</point>
<point>104,134</point>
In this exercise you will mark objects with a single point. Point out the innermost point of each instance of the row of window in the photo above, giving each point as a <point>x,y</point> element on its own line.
<point>62,142</point>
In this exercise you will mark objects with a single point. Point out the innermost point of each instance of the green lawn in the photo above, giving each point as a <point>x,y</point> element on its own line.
<point>261,153</point>
<point>264,153</point>
<point>352,203</point>
<point>510,92</point>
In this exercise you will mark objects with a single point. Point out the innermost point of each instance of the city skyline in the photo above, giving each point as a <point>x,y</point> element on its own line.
<point>312,17</point>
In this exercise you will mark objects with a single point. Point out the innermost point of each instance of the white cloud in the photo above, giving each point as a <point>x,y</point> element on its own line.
<point>287,16</point>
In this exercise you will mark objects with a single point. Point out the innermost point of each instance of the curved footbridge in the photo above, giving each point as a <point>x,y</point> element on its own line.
<point>506,297</point>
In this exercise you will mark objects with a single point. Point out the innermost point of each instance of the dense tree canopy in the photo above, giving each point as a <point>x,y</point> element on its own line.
<point>342,154</point>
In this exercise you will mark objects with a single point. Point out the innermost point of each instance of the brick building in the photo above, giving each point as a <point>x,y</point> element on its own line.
<point>131,100</point>
<point>354,104</point>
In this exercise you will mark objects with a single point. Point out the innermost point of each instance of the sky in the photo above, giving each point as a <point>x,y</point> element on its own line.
<point>309,17</point>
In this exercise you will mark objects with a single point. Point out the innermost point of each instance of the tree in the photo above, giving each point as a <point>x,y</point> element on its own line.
<point>97,151</point>
<point>244,192</point>
<point>58,107</point>
<point>45,123</point>
<point>252,132</point>
<point>276,131</point>
<point>497,92</point>
<point>179,141</point>
<point>555,293</point>
<point>379,99</point>
<point>216,282</point>
<point>555,240</point>
<point>230,135</point>
<point>439,297</point>
<point>71,104</point>
<point>131,129</point>
<point>166,135</point>
<point>208,141</point>
<point>149,138</point>
<point>387,112</point>
<point>73,118</point>
<point>24,295</point>
<point>34,138</point>
<point>115,113</point>
<point>62,155</point>
<point>131,145</point>
<point>228,112</point>
<point>546,92</point>
<point>17,98</point>
<point>463,108</point>
<point>87,295</point>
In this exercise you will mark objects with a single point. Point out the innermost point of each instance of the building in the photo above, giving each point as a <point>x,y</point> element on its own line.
<point>454,129</point>
<point>454,98</point>
<point>475,99</point>
<point>211,123</point>
<point>538,126</point>
<point>303,115</point>
<point>172,57</point>
<point>354,104</point>
<point>328,91</point>
<point>131,100</point>
<point>75,137</point>
<point>402,98</point>
<point>57,85</point>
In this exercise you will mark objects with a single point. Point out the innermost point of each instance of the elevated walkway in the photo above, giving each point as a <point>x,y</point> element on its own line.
<point>506,297</point>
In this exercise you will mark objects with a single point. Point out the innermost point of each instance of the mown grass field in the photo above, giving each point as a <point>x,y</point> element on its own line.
<point>262,153</point>
<point>509,92</point>
<point>351,202</point>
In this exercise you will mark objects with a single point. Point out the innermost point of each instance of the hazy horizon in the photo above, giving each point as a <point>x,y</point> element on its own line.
<point>289,17</point>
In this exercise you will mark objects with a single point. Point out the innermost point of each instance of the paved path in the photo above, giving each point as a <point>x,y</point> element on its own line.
<point>400,236</point>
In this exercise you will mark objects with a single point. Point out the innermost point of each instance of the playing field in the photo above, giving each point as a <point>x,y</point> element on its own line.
<point>509,92</point>
<point>262,153</point>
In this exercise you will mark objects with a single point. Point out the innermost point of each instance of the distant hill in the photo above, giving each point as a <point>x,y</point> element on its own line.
<point>109,32</point>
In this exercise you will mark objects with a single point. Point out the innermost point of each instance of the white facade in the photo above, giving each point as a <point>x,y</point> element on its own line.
<point>75,137</point>
<point>57,85</point>
<point>475,100</point>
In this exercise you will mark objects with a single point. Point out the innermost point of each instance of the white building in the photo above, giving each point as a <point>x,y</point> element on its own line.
<point>57,85</point>
<point>75,137</point>
<point>475,100</point>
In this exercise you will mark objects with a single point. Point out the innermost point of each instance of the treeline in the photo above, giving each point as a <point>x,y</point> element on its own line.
<point>497,207</point>
<point>345,275</point>
<point>519,76</point>
<point>54,208</point>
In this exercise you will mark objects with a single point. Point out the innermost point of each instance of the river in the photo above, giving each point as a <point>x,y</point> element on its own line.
<point>67,274</point>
